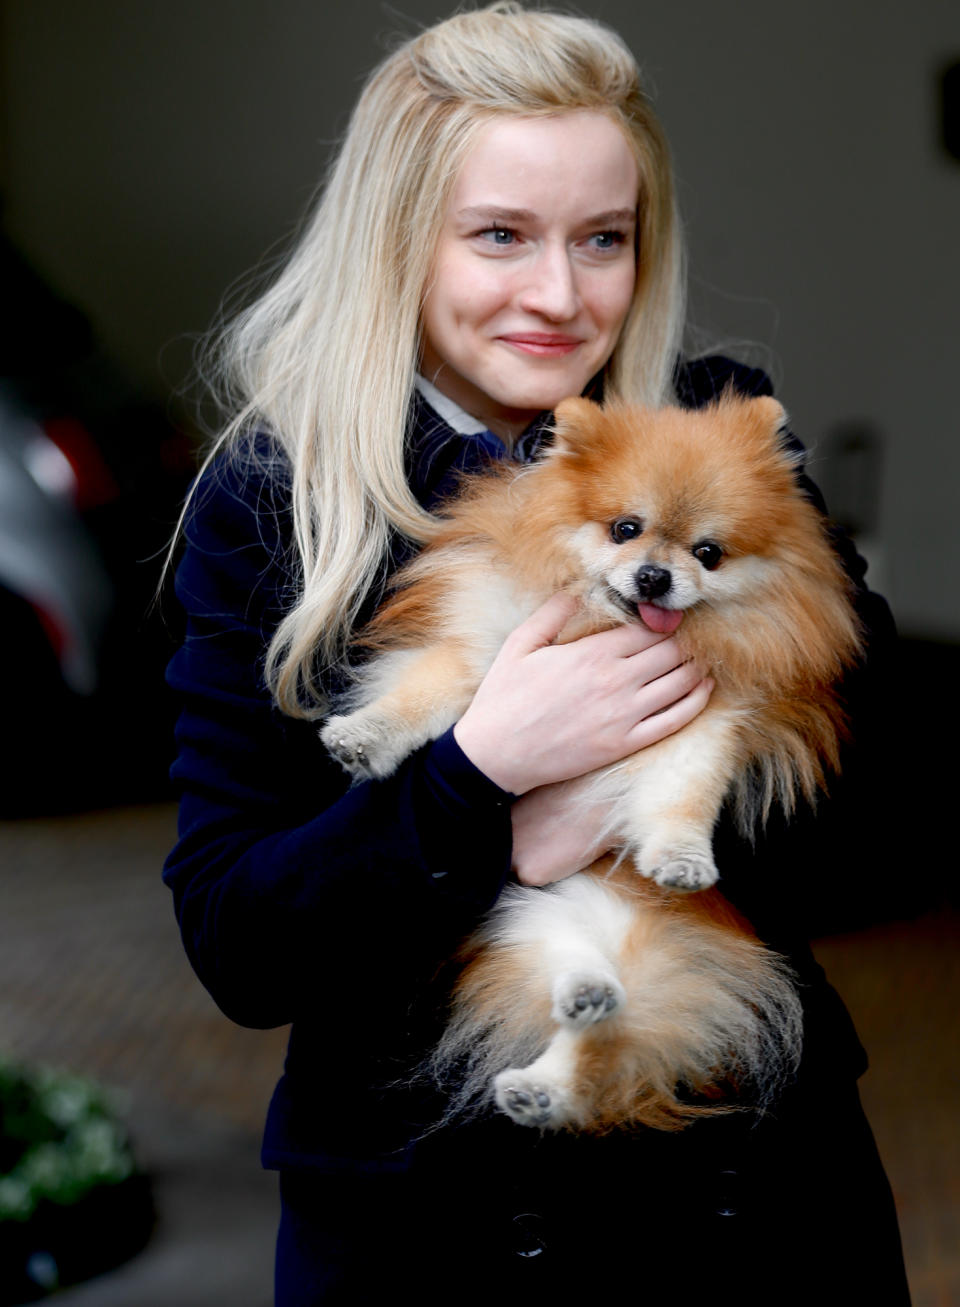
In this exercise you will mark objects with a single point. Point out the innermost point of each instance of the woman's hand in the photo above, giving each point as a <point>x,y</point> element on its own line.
<point>555,834</point>
<point>546,713</point>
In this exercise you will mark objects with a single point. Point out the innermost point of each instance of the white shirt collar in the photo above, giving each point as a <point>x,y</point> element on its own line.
<point>444,407</point>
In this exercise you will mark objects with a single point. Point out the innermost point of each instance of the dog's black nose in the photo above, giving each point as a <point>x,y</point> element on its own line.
<point>652,582</point>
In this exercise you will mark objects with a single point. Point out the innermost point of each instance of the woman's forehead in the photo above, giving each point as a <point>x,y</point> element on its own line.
<point>523,167</point>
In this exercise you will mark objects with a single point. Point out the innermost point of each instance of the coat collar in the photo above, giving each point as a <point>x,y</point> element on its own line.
<point>438,455</point>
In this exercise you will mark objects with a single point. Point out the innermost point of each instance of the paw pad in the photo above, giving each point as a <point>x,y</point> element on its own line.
<point>347,746</point>
<point>347,752</point>
<point>524,1102</point>
<point>579,1001</point>
<point>688,873</point>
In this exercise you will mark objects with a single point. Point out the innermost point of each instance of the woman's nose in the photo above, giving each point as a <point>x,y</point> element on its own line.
<point>551,287</point>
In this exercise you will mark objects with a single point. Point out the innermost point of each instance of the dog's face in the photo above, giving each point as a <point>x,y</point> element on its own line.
<point>647,561</point>
<point>676,508</point>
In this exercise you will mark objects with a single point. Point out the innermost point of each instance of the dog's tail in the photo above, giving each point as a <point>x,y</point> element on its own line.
<point>711,1023</point>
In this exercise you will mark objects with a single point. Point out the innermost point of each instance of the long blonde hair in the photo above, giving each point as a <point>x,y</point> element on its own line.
<point>325,360</point>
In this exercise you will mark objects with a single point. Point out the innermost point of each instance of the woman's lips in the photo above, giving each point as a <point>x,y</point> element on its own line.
<point>548,344</point>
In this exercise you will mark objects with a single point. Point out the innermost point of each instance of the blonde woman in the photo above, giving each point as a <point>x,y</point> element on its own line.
<point>497,232</point>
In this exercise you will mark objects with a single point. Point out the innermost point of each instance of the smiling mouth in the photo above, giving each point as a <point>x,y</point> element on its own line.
<point>545,344</point>
<point>629,606</point>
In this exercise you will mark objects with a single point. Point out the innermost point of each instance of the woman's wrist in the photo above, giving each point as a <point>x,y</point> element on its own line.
<point>463,777</point>
<point>490,759</point>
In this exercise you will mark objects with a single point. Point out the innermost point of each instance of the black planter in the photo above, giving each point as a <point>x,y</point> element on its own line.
<point>59,1245</point>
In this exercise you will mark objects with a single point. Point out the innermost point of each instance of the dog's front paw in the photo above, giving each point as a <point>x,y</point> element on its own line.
<point>358,746</point>
<point>685,871</point>
<point>530,1099</point>
<point>580,998</point>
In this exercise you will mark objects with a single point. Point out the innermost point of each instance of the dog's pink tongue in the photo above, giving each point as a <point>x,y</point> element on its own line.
<point>662,620</point>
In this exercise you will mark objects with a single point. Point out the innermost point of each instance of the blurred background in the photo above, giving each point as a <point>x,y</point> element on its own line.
<point>153,155</point>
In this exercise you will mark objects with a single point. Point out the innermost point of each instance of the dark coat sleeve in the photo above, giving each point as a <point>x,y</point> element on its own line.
<point>283,874</point>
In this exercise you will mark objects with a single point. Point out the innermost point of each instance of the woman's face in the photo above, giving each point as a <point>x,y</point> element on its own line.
<point>534,269</point>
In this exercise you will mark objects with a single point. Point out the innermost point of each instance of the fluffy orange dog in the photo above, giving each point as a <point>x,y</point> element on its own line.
<point>609,998</point>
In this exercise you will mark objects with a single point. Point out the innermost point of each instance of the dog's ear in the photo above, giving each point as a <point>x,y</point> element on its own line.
<point>768,413</point>
<point>760,414</point>
<point>763,427</point>
<point>573,418</point>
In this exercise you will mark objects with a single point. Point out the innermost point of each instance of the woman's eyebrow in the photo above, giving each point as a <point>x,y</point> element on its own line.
<point>611,216</point>
<point>494,212</point>
<point>504,214</point>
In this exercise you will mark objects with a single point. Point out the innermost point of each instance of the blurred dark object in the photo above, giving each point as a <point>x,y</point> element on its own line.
<point>91,478</point>
<point>849,472</point>
<point>887,838</point>
<point>950,108</point>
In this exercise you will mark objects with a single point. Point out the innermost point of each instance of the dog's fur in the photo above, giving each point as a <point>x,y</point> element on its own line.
<point>610,998</point>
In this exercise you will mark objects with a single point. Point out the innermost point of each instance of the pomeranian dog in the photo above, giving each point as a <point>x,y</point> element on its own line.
<point>610,998</point>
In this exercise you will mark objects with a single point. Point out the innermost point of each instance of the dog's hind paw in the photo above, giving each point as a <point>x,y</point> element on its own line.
<point>687,871</point>
<point>529,1100</point>
<point>581,998</point>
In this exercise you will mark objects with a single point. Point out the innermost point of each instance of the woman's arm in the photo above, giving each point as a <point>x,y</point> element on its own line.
<point>282,875</point>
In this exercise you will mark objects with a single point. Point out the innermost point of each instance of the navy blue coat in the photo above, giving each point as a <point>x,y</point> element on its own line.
<point>304,901</point>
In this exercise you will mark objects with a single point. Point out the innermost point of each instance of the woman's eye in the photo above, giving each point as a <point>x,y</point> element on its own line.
<point>708,554</point>
<point>625,528</point>
<point>498,235</point>
<point>607,240</point>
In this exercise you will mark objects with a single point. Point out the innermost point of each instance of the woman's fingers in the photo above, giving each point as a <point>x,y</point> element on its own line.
<point>542,627</point>
<point>673,717</point>
<point>657,692</point>
<point>627,640</point>
<point>656,660</point>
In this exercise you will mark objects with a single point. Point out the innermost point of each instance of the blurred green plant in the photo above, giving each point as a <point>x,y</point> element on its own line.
<point>63,1153</point>
<point>58,1140</point>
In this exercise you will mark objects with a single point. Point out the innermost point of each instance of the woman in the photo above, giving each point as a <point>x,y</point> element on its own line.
<point>498,232</point>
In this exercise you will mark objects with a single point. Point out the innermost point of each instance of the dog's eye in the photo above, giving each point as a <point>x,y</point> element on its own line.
<point>708,554</point>
<point>626,528</point>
